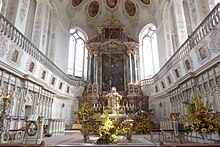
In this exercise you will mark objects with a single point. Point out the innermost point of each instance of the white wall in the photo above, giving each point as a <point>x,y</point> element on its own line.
<point>61,47</point>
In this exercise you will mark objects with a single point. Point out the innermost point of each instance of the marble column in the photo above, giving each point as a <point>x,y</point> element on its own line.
<point>135,67</point>
<point>90,68</point>
<point>130,66</point>
<point>95,66</point>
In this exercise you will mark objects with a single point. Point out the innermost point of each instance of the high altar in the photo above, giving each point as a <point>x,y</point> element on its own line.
<point>113,62</point>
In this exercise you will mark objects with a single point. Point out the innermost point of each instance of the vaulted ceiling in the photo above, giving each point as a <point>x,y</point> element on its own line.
<point>134,14</point>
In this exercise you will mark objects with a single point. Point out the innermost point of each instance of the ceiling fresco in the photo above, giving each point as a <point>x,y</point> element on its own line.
<point>89,14</point>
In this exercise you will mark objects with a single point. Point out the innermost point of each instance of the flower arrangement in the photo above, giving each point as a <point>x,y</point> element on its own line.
<point>142,122</point>
<point>108,132</point>
<point>201,117</point>
<point>84,113</point>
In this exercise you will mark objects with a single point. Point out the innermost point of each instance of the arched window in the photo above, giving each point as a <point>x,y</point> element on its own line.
<point>148,50</point>
<point>77,54</point>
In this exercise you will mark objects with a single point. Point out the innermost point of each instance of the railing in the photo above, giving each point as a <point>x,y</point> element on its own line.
<point>200,32</point>
<point>7,29</point>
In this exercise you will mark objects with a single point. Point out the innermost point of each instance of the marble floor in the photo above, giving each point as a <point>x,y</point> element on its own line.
<point>75,138</point>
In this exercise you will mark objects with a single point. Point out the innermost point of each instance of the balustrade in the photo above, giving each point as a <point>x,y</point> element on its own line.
<point>207,25</point>
<point>12,33</point>
<point>56,125</point>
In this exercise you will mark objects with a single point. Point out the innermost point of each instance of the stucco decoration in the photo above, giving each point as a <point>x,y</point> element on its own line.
<point>203,52</point>
<point>169,79</point>
<point>111,3</point>
<point>215,43</point>
<point>29,99</point>
<point>53,80</point>
<point>188,64</point>
<point>76,2</point>
<point>3,47</point>
<point>177,71</point>
<point>30,66</point>
<point>14,55</point>
<point>43,73</point>
<point>146,2</point>
<point>93,8</point>
<point>130,8</point>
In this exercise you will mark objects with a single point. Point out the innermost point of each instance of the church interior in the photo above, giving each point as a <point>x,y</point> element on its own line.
<point>110,72</point>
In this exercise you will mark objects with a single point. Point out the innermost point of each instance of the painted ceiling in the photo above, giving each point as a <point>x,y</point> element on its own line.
<point>90,14</point>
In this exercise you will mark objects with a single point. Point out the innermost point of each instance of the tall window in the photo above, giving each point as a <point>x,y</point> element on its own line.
<point>77,54</point>
<point>149,61</point>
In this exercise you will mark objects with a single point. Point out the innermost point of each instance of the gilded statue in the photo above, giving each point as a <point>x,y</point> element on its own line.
<point>113,100</point>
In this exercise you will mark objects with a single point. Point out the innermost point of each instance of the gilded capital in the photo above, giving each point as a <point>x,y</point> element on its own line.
<point>90,53</point>
<point>96,53</point>
<point>129,52</point>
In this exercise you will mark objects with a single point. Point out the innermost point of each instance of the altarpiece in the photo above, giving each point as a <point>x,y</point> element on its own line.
<point>113,62</point>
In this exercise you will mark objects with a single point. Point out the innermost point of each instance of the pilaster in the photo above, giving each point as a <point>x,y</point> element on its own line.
<point>40,30</point>
<point>180,21</point>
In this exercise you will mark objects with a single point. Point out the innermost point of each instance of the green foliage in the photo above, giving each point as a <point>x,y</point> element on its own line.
<point>110,129</point>
<point>201,117</point>
<point>84,113</point>
<point>142,123</point>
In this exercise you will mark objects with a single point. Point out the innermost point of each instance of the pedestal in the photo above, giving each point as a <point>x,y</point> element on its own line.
<point>34,131</point>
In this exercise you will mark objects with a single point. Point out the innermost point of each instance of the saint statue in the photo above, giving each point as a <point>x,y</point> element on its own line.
<point>113,100</point>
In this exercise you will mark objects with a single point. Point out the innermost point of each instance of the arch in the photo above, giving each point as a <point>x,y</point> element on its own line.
<point>140,29</point>
<point>72,26</point>
<point>77,60</point>
<point>143,30</point>
<point>148,46</point>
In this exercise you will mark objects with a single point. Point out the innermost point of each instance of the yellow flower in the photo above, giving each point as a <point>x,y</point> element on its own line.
<point>204,130</point>
<point>202,125</point>
<point>211,127</point>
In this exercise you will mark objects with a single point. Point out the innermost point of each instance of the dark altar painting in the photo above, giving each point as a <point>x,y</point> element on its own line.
<point>113,70</point>
<point>112,33</point>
